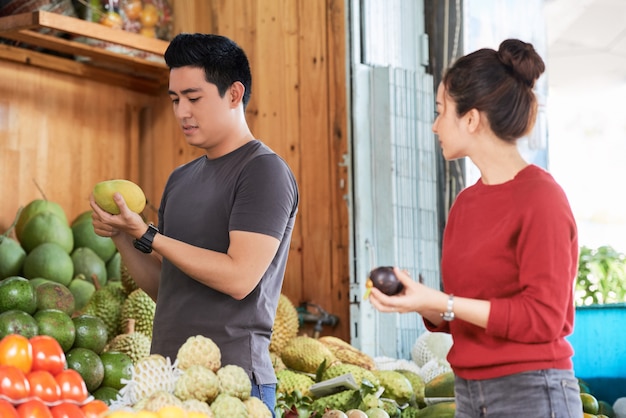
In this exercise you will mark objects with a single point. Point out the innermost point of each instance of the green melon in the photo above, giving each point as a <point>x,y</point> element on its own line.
<point>52,295</point>
<point>87,263</point>
<point>16,292</point>
<point>58,325</point>
<point>49,261</point>
<point>88,364</point>
<point>12,257</point>
<point>47,227</point>
<point>34,207</point>
<point>17,322</point>
<point>85,236</point>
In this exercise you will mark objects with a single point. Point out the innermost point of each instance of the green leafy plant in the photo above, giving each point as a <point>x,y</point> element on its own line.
<point>601,276</point>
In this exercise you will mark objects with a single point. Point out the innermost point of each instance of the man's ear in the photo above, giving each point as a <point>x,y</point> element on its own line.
<point>236,92</point>
<point>472,119</point>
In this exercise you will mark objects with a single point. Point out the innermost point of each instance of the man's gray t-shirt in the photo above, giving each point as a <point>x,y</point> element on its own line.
<point>250,189</point>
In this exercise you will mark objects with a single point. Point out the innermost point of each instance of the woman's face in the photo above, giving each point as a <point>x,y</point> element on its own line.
<point>447,126</point>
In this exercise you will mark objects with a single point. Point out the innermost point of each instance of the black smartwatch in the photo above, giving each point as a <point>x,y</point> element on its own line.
<point>144,244</point>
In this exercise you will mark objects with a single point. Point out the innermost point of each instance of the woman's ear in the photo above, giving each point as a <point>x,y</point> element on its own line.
<point>473,119</point>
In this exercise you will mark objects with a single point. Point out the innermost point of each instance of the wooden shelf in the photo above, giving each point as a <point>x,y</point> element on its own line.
<point>85,49</point>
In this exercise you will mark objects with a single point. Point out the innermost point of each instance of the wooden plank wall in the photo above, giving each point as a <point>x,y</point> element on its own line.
<point>67,133</point>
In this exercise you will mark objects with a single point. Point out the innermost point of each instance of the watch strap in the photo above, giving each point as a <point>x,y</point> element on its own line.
<point>144,244</point>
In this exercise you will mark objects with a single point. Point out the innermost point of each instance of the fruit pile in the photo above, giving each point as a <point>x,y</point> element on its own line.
<point>36,382</point>
<point>62,280</point>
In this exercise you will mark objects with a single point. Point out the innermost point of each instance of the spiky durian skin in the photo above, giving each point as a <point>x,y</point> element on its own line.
<point>343,401</point>
<point>286,324</point>
<point>346,353</point>
<point>306,354</point>
<point>290,381</point>
<point>140,307</point>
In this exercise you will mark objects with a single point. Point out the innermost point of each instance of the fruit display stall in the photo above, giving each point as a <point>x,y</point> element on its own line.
<point>66,123</point>
<point>104,116</point>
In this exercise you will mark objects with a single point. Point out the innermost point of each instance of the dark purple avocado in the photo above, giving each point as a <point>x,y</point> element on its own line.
<point>385,280</point>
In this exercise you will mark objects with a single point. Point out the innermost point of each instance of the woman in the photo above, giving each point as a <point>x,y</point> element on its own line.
<point>510,249</point>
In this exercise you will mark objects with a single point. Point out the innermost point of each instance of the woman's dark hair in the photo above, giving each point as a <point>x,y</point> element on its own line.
<point>223,61</point>
<point>500,84</point>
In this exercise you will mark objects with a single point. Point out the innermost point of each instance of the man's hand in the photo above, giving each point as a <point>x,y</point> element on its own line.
<point>108,225</point>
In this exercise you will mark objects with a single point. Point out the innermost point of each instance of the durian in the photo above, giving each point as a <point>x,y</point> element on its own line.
<point>359,373</point>
<point>106,303</point>
<point>140,307</point>
<point>397,386</point>
<point>346,353</point>
<point>286,324</point>
<point>290,381</point>
<point>277,362</point>
<point>135,344</point>
<point>128,283</point>
<point>306,354</point>
<point>343,401</point>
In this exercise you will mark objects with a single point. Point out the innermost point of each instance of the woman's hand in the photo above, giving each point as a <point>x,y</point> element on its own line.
<point>408,300</point>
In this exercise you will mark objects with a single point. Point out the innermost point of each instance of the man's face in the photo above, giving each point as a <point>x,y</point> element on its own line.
<point>203,115</point>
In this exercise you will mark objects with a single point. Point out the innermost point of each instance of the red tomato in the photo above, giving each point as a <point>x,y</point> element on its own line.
<point>66,410</point>
<point>43,386</point>
<point>73,387</point>
<point>94,409</point>
<point>47,354</point>
<point>13,383</point>
<point>7,410</point>
<point>15,350</point>
<point>33,409</point>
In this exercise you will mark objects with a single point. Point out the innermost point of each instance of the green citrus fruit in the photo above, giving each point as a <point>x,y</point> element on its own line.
<point>36,281</point>
<point>50,261</point>
<point>85,216</point>
<point>114,267</point>
<point>58,325</point>
<point>34,207</point>
<point>53,295</point>
<point>91,332</point>
<point>118,367</point>
<point>16,292</point>
<point>82,289</point>
<point>17,322</point>
<point>590,403</point>
<point>47,227</point>
<point>12,257</point>
<point>88,364</point>
<point>605,408</point>
<point>85,236</point>
<point>106,394</point>
<point>87,263</point>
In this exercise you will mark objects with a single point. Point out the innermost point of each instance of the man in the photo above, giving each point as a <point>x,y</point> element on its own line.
<point>225,219</point>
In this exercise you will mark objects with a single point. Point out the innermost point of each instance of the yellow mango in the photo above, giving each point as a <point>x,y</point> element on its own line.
<point>132,194</point>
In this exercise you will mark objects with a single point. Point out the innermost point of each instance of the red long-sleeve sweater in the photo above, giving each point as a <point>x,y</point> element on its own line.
<point>516,245</point>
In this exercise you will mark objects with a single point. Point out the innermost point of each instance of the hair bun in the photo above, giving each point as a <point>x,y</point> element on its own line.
<point>522,60</point>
